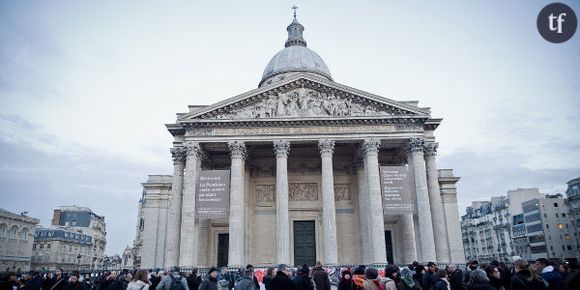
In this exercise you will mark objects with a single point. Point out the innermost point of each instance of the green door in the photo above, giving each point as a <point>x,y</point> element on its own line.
<point>304,243</point>
<point>222,249</point>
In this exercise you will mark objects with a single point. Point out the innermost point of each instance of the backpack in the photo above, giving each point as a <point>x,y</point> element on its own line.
<point>176,283</point>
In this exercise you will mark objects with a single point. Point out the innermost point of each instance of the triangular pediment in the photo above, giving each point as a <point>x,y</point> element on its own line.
<point>303,97</point>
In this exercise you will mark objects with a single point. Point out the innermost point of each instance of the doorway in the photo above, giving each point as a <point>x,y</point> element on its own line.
<point>304,243</point>
<point>223,249</point>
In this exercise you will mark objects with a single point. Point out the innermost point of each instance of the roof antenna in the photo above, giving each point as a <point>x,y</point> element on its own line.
<point>294,8</point>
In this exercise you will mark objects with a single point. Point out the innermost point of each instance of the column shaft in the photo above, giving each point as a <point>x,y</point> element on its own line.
<point>187,247</point>
<point>437,210</point>
<point>423,205</point>
<point>377,219</point>
<point>328,207</point>
<point>281,150</point>
<point>364,214</point>
<point>237,204</point>
<point>172,233</point>
<point>408,238</point>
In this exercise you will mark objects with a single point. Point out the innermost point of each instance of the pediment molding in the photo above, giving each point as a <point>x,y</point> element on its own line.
<point>303,98</point>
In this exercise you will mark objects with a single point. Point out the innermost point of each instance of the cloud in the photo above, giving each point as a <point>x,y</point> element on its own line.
<point>493,173</point>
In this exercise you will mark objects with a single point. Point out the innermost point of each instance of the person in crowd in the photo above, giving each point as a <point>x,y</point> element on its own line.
<point>420,275</point>
<point>58,281</point>
<point>282,280</point>
<point>372,281</point>
<point>154,278</point>
<point>33,281</point>
<point>8,281</point>
<point>472,265</point>
<point>254,278</point>
<point>525,278</point>
<point>358,277</point>
<point>407,282</point>
<point>346,282</point>
<point>478,281</point>
<point>442,281</point>
<point>573,281</point>
<point>225,279</point>
<point>140,281</point>
<point>455,276</point>
<point>564,271</point>
<point>211,280</point>
<point>320,277</point>
<point>247,281</point>
<point>391,277</point>
<point>302,279</point>
<point>74,283</point>
<point>549,274</point>
<point>494,277</point>
<point>505,274</point>
<point>430,277</point>
<point>173,281</point>
<point>193,280</point>
<point>270,273</point>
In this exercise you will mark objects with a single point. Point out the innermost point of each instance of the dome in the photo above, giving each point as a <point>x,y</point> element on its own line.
<point>295,57</point>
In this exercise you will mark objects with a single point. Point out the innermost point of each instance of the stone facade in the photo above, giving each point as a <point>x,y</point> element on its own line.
<point>304,154</point>
<point>16,240</point>
<point>58,248</point>
<point>83,220</point>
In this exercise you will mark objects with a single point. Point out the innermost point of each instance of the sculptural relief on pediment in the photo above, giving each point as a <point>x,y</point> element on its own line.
<point>303,102</point>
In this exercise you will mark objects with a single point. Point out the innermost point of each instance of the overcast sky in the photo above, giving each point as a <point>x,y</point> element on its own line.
<point>86,88</point>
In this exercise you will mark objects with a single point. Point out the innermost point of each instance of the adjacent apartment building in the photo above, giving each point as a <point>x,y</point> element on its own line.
<point>16,240</point>
<point>524,223</point>
<point>83,220</point>
<point>573,199</point>
<point>59,248</point>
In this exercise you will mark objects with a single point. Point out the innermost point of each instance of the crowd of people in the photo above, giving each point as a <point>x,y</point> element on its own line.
<point>541,274</point>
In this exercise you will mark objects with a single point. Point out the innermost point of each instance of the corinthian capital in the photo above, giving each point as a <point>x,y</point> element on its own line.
<point>177,154</point>
<point>237,149</point>
<point>415,145</point>
<point>371,146</point>
<point>281,148</point>
<point>193,149</point>
<point>326,146</point>
<point>431,148</point>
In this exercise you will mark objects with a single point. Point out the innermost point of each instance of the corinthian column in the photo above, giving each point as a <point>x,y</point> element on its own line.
<point>326,148</point>
<point>172,233</point>
<point>187,248</point>
<point>363,208</point>
<point>437,211</point>
<point>415,147</point>
<point>237,204</point>
<point>377,219</point>
<point>281,149</point>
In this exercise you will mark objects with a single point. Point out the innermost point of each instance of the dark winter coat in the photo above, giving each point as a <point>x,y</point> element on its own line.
<point>282,282</point>
<point>193,282</point>
<point>77,286</point>
<point>520,282</point>
<point>346,284</point>
<point>456,280</point>
<point>480,286</point>
<point>209,284</point>
<point>56,283</point>
<point>440,284</point>
<point>267,281</point>
<point>33,284</point>
<point>303,282</point>
<point>554,279</point>
<point>246,283</point>
<point>321,279</point>
<point>428,280</point>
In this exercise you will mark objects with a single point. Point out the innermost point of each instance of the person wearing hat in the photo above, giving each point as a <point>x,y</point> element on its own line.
<point>346,282</point>
<point>211,281</point>
<point>302,280</point>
